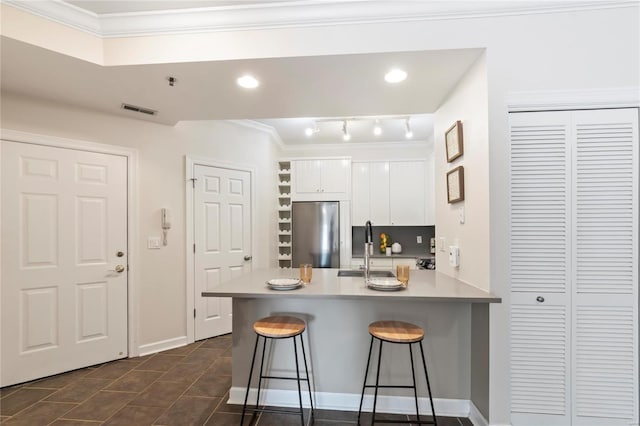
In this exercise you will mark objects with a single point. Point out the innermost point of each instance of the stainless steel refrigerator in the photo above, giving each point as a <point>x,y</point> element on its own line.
<point>316,233</point>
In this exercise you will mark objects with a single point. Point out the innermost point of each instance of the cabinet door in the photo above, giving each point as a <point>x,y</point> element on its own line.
<point>539,269</point>
<point>335,176</point>
<point>605,263</point>
<point>360,173</point>
<point>407,193</point>
<point>379,193</point>
<point>307,176</point>
<point>539,359</point>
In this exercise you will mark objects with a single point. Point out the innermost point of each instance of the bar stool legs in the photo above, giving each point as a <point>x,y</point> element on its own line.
<point>364,385</point>
<point>276,328</point>
<point>383,335</point>
<point>424,364</point>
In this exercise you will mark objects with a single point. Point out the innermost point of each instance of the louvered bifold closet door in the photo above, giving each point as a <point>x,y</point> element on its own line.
<point>605,276</point>
<point>539,268</point>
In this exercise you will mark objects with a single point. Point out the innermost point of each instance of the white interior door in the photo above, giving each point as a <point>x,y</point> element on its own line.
<point>64,223</point>
<point>222,236</point>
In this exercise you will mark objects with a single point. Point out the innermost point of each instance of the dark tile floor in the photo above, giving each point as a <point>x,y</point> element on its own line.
<point>183,386</point>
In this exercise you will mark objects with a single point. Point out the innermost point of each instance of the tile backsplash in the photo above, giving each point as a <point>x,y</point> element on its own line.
<point>405,235</point>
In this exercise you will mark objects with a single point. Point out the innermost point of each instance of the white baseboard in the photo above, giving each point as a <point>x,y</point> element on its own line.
<point>476,416</point>
<point>351,402</point>
<point>163,345</point>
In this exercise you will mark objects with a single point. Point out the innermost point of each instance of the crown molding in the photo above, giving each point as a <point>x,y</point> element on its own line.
<point>261,127</point>
<point>61,12</point>
<point>301,13</point>
<point>553,100</point>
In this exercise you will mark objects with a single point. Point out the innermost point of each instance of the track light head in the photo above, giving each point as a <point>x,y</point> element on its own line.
<point>407,126</point>
<point>345,132</point>
<point>377,130</point>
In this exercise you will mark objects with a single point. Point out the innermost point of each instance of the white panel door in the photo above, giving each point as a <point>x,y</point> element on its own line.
<point>605,262</point>
<point>64,223</point>
<point>222,236</point>
<point>406,193</point>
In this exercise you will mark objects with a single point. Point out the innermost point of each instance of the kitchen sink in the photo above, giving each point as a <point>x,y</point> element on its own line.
<point>360,273</point>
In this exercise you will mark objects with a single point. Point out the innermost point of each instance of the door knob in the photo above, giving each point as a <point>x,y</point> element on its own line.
<point>247,258</point>
<point>119,268</point>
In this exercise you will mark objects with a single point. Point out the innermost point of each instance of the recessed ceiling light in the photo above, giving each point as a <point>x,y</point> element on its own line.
<point>396,75</point>
<point>248,82</point>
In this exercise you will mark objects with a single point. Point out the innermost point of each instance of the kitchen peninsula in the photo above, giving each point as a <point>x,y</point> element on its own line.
<point>337,311</point>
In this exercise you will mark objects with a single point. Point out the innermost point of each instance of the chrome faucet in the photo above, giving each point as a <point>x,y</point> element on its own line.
<point>368,247</point>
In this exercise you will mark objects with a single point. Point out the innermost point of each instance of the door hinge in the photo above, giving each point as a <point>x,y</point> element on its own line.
<point>193,182</point>
<point>194,313</point>
<point>194,248</point>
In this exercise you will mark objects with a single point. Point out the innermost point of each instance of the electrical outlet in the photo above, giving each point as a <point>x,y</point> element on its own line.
<point>419,239</point>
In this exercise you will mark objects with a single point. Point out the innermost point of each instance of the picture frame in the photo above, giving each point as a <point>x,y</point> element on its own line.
<point>453,141</point>
<point>455,185</point>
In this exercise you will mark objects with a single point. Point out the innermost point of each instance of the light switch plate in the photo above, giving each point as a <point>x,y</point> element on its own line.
<point>442,243</point>
<point>419,239</point>
<point>154,242</point>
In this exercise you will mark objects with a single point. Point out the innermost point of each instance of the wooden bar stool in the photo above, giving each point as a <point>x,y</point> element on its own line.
<point>278,327</point>
<point>401,333</point>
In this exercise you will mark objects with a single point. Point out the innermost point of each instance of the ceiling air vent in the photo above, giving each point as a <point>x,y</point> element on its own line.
<point>141,110</point>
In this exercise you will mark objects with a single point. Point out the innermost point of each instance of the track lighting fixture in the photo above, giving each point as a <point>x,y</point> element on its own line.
<point>393,124</point>
<point>407,126</point>
<point>310,131</point>
<point>345,132</point>
<point>377,130</point>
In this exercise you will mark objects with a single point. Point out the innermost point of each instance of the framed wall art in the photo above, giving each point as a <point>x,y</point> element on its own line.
<point>455,185</point>
<point>453,141</point>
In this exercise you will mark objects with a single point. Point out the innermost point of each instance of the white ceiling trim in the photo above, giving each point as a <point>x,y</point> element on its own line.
<point>553,100</point>
<point>303,13</point>
<point>61,12</point>
<point>251,124</point>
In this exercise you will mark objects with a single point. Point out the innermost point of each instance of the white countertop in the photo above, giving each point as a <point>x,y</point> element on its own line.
<point>424,285</point>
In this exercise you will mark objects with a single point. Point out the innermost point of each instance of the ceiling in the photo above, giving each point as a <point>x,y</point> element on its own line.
<point>293,91</point>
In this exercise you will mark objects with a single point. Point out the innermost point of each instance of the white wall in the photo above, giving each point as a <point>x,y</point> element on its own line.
<point>467,103</point>
<point>161,183</point>
<point>597,48</point>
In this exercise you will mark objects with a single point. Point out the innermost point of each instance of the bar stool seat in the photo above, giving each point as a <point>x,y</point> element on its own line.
<point>278,327</point>
<point>396,332</point>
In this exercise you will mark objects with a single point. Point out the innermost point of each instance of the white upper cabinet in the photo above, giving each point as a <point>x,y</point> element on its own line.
<point>360,184</point>
<point>379,197</point>
<point>389,192</point>
<point>407,192</point>
<point>321,179</point>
